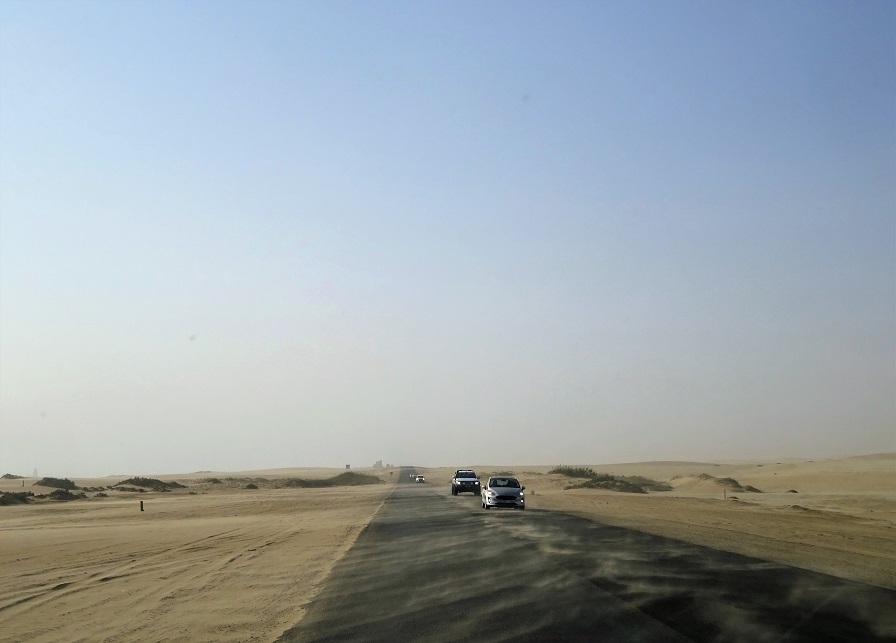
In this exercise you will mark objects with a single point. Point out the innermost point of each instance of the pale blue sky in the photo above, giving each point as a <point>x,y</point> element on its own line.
<point>255,234</point>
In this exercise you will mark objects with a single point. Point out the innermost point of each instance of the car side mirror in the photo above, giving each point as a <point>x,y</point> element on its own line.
<point>522,488</point>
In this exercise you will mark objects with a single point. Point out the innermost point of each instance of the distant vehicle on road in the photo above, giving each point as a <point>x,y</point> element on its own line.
<point>503,491</point>
<point>419,479</point>
<point>465,480</point>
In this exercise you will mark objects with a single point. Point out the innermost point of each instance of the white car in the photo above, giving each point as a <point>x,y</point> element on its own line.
<point>419,479</point>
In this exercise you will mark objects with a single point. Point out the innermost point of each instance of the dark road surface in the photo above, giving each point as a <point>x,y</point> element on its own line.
<point>432,567</point>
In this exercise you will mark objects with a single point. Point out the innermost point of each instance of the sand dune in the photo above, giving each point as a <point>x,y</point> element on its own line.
<point>706,483</point>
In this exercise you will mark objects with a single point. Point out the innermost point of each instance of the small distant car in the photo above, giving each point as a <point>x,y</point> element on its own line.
<point>419,479</point>
<point>503,491</point>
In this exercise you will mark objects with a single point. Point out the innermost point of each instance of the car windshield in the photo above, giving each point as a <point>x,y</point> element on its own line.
<point>505,482</point>
<point>465,474</point>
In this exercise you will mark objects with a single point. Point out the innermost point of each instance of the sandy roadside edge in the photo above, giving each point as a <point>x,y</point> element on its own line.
<point>341,552</point>
<point>217,564</point>
<point>844,525</point>
<point>840,546</point>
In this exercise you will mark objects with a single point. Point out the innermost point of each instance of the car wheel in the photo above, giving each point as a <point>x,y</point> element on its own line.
<point>487,506</point>
<point>523,507</point>
<point>453,491</point>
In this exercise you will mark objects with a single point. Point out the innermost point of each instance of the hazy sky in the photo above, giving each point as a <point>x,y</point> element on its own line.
<point>242,235</point>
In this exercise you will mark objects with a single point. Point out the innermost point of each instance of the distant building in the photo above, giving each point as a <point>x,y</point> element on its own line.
<point>378,464</point>
<point>347,467</point>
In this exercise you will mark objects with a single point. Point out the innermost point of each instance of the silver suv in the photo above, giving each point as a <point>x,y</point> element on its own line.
<point>465,480</point>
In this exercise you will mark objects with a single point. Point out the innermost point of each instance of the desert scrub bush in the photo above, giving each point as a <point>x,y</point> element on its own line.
<point>611,483</point>
<point>57,483</point>
<point>346,479</point>
<point>350,478</point>
<point>65,494</point>
<point>734,485</point>
<point>573,472</point>
<point>8,498</point>
<point>151,483</point>
<point>594,480</point>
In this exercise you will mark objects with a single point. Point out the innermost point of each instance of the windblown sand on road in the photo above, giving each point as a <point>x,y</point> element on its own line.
<point>224,564</point>
<point>841,520</point>
<point>216,561</point>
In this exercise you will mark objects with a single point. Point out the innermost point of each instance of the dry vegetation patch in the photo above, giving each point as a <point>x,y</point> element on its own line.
<point>56,483</point>
<point>148,483</point>
<point>64,495</point>
<point>593,480</point>
<point>347,479</point>
<point>8,499</point>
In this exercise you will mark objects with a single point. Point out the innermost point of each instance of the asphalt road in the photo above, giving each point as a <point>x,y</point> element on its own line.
<point>431,567</point>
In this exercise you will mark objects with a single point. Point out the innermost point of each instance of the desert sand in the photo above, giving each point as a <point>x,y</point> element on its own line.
<point>225,564</point>
<point>221,562</point>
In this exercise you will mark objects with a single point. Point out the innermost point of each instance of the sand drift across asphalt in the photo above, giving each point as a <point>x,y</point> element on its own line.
<point>435,568</point>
